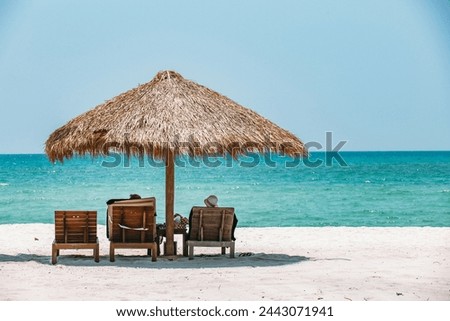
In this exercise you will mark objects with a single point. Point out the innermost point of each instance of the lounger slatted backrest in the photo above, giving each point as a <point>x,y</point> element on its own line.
<point>211,224</point>
<point>75,230</point>
<point>76,226</point>
<point>132,221</point>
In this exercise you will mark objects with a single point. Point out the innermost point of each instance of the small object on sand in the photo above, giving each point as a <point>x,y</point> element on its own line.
<point>36,239</point>
<point>398,293</point>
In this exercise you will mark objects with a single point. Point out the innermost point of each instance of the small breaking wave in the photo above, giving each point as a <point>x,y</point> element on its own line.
<point>4,184</point>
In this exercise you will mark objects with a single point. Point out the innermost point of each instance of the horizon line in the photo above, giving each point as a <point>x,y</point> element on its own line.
<point>314,151</point>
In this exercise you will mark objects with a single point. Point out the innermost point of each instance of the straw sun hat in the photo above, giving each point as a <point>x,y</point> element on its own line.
<point>211,201</point>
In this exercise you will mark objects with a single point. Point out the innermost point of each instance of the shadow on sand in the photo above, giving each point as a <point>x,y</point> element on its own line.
<point>178,262</point>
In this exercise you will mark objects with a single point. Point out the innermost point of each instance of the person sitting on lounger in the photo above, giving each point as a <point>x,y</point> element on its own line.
<point>212,201</point>
<point>112,201</point>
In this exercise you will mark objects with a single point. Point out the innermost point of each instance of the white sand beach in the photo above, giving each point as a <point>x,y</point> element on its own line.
<point>332,263</point>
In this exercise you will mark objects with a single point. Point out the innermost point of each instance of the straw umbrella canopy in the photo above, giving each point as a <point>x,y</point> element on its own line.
<point>167,117</point>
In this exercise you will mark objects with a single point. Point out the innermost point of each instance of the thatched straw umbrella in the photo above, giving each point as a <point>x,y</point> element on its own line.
<point>166,117</point>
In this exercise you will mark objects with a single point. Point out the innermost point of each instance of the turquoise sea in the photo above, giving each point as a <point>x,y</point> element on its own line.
<point>373,189</point>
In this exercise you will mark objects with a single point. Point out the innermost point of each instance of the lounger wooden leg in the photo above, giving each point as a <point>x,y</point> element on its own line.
<point>223,250</point>
<point>97,253</point>
<point>191,252</point>
<point>154,253</point>
<point>54,254</point>
<point>185,248</point>
<point>111,252</point>
<point>232,250</point>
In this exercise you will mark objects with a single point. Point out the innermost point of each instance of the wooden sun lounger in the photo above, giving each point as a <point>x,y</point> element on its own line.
<point>75,230</point>
<point>132,225</point>
<point>211,227</point>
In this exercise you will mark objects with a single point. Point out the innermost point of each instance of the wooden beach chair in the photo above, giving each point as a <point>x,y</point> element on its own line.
<point>75,230</point>
<point>211,227</point>
<point>132,225</point>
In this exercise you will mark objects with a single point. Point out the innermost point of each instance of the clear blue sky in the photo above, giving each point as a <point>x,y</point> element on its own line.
<point>375,73</point>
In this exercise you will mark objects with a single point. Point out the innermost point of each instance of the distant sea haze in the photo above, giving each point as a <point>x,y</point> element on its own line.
<point>372,189</point>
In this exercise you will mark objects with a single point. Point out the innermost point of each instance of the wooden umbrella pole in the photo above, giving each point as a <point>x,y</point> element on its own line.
<point>170,191</point>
